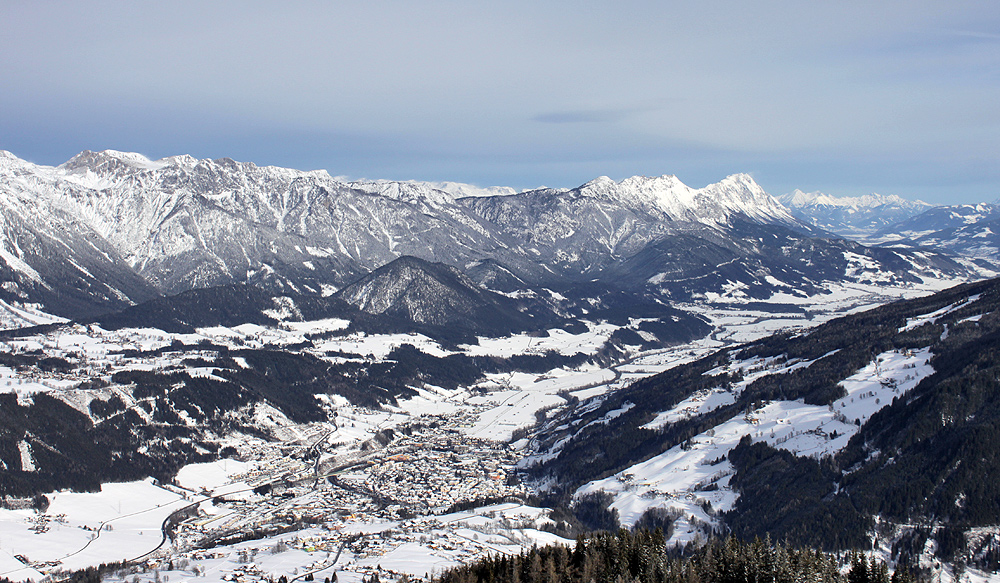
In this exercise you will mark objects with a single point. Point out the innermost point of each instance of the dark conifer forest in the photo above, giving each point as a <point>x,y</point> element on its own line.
<point>642,557</point>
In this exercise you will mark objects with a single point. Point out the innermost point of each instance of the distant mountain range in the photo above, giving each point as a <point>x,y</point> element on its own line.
<point>854,217</point>
<point>109,229</point>
<point>969,230</point>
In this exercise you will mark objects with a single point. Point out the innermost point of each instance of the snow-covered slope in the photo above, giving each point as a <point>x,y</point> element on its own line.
<point>48,256</point>
<point>881,413</point>
<point>856,217</point>
<point>941,219</point>
<point>184,223</point>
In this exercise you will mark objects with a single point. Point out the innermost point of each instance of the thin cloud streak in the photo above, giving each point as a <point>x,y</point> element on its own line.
<point>581,117</point>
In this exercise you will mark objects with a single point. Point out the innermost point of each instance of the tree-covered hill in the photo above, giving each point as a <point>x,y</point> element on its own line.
<point>918,459</point>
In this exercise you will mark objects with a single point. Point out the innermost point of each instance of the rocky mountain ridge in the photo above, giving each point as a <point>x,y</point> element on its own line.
<point>175,224</point>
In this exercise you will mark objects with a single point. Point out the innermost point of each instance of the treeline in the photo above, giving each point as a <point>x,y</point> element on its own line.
<point>643,557</point>
<point>596,302</point>
<point>588,513</point>
<point>290,380</point>
<point>93,574</point>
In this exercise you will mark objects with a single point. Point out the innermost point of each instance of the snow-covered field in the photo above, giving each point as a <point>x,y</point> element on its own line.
<point>557,340</point>
<point>122,521</point>
<point>25,315</point>
<point>506,410</point>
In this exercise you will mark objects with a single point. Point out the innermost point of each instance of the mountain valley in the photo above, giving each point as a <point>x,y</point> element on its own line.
<point>242,373</point>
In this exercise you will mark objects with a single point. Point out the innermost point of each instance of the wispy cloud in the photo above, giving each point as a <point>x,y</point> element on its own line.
<point>601,115</point>
<point>976,34</point>
<point>591,116</point>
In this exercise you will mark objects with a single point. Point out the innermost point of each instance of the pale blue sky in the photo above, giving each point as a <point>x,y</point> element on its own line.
<point>844,97</point>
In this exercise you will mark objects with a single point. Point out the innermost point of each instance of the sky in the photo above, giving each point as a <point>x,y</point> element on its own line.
<point>847,97</point>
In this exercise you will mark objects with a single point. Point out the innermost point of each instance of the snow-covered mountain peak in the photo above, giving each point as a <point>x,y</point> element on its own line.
<point>741,185</point>
<point>667,183</point>
<point>875,199</point>
<point>744,185</point>
<point>739,194</point>
<point>9,161</point>
<point>715,204</point>
<point>599,182</point>
<point>605,185</point>
<point>411,192</point>
<point>742,178</point>
<point>133,159</point>
<point>799,199</point>
<point>665,193</point>
<point>111,162</point>
<point>183,160</point>
<point>462,190</point>
<point>851,216</point>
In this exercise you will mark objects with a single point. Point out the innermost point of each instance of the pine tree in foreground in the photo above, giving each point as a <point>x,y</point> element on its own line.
<point>643,557</point>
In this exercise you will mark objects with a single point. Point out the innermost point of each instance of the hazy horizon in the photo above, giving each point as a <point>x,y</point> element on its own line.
<point>846,99</point>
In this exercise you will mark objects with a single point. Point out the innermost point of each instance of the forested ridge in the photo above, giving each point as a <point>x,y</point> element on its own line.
<point>918,460</point>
